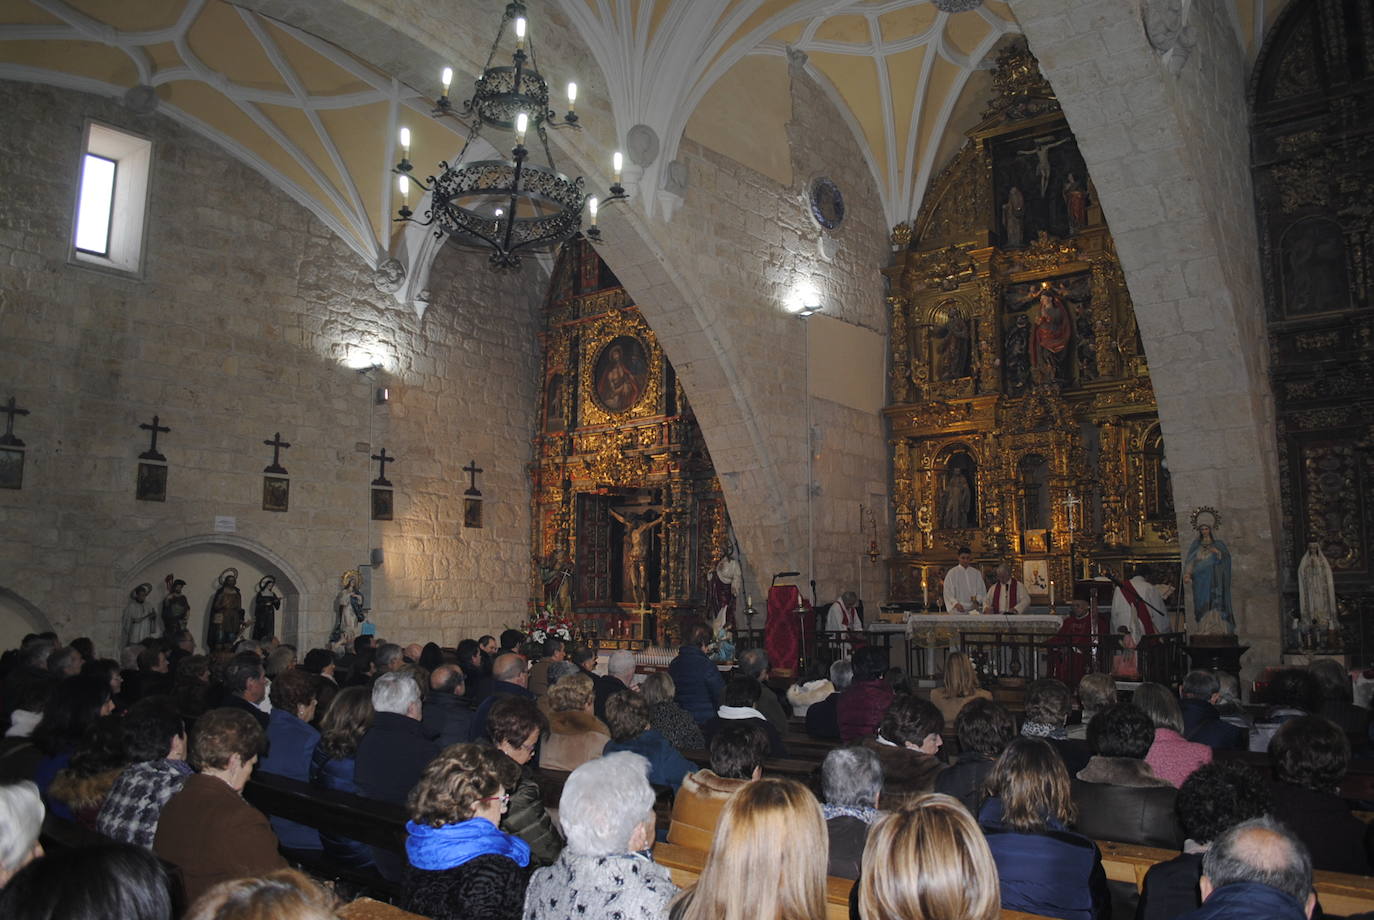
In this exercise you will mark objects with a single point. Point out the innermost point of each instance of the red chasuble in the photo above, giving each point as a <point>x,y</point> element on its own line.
<point>1071,655</point>
<point>786,630</point>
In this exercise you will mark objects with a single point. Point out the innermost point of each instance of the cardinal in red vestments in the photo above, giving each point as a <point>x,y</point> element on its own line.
<point>1072,647</point>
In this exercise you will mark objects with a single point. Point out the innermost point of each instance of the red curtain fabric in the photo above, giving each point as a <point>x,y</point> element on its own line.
<point>787,634</point>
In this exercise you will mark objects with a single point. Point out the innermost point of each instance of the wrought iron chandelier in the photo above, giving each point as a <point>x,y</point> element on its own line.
<point>505,206</point>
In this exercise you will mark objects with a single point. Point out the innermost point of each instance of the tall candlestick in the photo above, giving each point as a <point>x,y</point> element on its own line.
<point>1051,593</point>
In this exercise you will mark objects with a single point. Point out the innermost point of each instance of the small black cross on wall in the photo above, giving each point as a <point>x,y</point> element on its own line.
<point>382,460</point>
<point>472,469</point>
<point>277,445</point>
<point>154,428</point>
<point>11,409</point>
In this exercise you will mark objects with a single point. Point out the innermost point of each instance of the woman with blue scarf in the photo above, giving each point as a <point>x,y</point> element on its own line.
<point>460,864</point>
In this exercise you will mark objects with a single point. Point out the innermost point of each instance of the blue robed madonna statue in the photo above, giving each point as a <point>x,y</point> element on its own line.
<point>1207,573</point>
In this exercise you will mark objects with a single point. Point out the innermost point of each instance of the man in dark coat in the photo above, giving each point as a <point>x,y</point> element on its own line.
<point>245,685</point>
<point>509,678</point>
<point>1256,869</point>
<point>446,716</point>
<point>620,676</point>
<point>861,707</point>
<point>696,677</point>
<point>823,718</point>
<point>1202,720</point>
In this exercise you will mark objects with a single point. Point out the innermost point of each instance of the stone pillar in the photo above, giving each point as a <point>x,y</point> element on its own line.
<point>1161,120</point>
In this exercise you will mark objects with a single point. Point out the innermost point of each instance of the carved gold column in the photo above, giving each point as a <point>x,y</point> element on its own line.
<point>901,368</point>
<point>903,497</point>
<point>1111,463</point>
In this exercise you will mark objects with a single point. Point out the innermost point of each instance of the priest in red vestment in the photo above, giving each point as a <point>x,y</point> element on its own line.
<point>1072,647</point>
<point>789,631</point>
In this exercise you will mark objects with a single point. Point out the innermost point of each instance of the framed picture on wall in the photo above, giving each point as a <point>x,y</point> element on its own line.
<point>472,512</point>
<point>381,504</point>
<point>1035,574</point>
<point>152,483</point>
<point>276,493</point>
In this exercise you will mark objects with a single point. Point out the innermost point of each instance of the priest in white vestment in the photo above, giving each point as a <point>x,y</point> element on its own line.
<point>1124,612</point>
<point>965,589</point>
<point>1007,595</point>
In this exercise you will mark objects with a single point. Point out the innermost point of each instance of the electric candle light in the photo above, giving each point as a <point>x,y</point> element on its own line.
<point>404,183</point>
<point>519,33</point>
<point>405,143</point>
<point>617,161</point>
<point>592,205</point>
<point>446,79</point>
<point>572,97</point>
<point>522,123</point>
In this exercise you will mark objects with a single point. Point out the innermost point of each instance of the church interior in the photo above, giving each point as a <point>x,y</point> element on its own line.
<point>1080,285</point>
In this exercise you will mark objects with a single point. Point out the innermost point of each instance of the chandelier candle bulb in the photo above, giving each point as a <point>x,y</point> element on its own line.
<point>519,33</point>
<point>403,182</point>
<point>591,208</point>
<point>447,79</point>
<point>572,96</point>
<point>617,163</point>
<point>522,124</point>
<point>405,144</point>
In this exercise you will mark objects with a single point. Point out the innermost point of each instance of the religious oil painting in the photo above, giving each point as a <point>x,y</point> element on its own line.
<point>11,468</point>
<point>381,504</point>
<point>472,512</point>
<point>152,483</point>
<point>276,493</point>
<point>1036,575</point>
<point>621,374</point>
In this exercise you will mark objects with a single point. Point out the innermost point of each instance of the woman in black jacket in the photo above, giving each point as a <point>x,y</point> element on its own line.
<point>984,729</point>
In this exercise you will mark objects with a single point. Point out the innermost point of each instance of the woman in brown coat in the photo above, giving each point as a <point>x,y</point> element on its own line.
<point>575,735</point>
<point>207,828</point>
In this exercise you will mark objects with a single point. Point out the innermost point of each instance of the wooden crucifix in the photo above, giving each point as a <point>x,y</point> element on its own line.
<point>382,460</point>
<point>154,429</point>
<point>11,409</point>
<point>277,445</point>
<point>472,469</point>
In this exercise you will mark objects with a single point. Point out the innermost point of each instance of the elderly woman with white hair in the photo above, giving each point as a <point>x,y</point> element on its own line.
<point>21,820</point>
<point>852,780</point>
<point>607,813</point>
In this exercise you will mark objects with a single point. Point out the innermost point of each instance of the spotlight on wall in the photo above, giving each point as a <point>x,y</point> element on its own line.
<point>805,301</point>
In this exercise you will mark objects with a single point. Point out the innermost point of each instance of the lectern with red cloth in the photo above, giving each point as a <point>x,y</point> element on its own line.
<point>789,629</point>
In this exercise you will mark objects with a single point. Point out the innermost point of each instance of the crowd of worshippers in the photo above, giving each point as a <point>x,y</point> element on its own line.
<point>152,753</point>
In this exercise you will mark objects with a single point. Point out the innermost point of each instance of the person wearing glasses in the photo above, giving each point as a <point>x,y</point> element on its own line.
<point>460,864</point>
<point>514,726</point>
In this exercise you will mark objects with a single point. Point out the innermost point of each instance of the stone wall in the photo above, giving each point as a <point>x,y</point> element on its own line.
<point>243,325</point>
<point>1167,146</point>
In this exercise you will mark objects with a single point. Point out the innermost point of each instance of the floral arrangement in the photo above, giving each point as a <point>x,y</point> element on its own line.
<point>549,624</point>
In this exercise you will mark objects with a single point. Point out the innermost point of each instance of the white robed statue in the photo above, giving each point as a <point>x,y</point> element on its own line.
<point>1316,589</point>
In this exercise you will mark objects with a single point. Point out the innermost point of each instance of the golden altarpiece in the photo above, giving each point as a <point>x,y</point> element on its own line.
<point>628,517</point>
<point>1023,423</point>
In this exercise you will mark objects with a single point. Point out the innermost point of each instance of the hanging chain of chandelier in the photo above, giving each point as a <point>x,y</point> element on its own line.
<point>505,206</point>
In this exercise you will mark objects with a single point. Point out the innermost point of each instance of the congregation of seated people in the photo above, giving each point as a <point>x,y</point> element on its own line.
<point>524,783</point>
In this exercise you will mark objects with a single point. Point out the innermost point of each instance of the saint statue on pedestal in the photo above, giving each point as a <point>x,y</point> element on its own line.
<point>1316,590</point>
<point>1207,573</point>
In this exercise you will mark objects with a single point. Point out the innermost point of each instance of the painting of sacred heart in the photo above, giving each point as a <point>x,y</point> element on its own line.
<point>152,483</point>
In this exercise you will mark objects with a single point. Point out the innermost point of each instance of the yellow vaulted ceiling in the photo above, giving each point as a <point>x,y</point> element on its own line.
<point>321,123</point>
<point>313,118</point>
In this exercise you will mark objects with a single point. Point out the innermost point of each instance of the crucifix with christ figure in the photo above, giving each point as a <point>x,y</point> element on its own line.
<point>151,453</point>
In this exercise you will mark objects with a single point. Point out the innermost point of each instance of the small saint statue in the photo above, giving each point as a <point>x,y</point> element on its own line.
<point>1316,590</point>
<point>266,603</point>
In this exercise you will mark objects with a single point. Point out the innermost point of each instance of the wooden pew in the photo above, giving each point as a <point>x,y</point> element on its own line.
<point>1358,784</point>
<point>685,866</point>
<point>1340,893</point>
<point>368,909</point>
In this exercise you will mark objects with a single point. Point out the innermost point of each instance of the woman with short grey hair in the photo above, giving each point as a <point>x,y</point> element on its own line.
<point>21,820</point>
<point>851,779</point>
<point>607,813</point>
